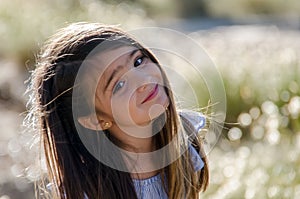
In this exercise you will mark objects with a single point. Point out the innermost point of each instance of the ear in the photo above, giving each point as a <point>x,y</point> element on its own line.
<point>92,122</point>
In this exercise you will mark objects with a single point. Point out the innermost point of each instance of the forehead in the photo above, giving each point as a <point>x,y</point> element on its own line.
<point>104,61</point>
<point>102,64</point>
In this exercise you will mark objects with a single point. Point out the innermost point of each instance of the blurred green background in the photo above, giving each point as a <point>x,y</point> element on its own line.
<point>255,45</point>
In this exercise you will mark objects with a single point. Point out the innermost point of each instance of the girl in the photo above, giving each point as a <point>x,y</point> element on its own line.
<point>101,104</point>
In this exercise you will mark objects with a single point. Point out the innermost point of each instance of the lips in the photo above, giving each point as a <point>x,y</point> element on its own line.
<point>152,94</point>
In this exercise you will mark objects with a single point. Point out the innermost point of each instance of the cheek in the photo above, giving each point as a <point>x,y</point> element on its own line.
<point>124,110</point>
<point>144,113</point>
<point>127,112</point>
<point>139,114</point>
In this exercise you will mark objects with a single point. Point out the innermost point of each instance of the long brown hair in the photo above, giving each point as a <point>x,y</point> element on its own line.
<point>72,170</point>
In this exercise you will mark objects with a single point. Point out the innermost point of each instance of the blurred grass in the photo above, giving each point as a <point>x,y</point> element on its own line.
<point>260,67</point>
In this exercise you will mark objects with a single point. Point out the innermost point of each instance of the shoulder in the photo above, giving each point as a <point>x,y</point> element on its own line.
<point>192,121</point>
<point>196,159</point>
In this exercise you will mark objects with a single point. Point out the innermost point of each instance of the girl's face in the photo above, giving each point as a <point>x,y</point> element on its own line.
<point>130,90</point>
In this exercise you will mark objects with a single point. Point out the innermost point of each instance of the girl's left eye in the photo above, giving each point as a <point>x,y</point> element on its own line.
<point>139,61</point>
<point>118,86</point>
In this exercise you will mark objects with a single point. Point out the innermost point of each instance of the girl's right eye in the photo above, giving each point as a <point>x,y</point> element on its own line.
<point>118,86</point>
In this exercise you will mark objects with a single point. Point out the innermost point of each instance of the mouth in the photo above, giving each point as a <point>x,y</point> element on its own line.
<point>152,94</point>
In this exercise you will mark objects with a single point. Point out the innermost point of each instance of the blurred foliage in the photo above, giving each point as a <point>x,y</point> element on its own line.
<point>21,28</point>
<point>259,156</point>
<point>216,8</point>
<point>24,26</point>
<point>247,8</point>
<point>260,67</point>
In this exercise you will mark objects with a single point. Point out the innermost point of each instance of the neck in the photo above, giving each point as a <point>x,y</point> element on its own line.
<point>135,139</point>
<point>139,144</point>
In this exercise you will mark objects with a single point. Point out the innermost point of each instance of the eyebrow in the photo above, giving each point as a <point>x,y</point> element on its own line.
<point>116,70</point>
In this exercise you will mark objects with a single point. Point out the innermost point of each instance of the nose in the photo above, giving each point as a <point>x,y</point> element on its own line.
<point>143,87</point>
<point>141,80</point>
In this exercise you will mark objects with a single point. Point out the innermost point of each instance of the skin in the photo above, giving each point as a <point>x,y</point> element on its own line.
<point>122,102</point>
